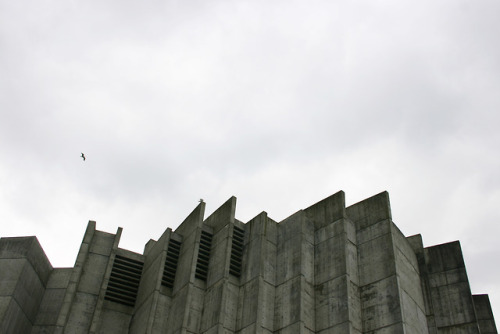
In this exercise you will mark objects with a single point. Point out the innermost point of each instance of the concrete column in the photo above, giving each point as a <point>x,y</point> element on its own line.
<point>258,277</point>
<point>148,302</point>
<point>484,314</point>
<point>52,301</point>
<point>388,271</point>
<point>184,311</point>
<point>418,247</point>
<point>294,300</point>
<point>110,317</point>
<point>221,294</point>
<point>450,294</point>
<point>337,304</point>
<point>75,278</point>
<point>86,285</point>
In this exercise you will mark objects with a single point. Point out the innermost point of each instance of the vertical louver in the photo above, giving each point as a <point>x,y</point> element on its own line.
<point>203,256</point>
<point>170,267</point>
<point>124,281</point>
<point>236,252</point>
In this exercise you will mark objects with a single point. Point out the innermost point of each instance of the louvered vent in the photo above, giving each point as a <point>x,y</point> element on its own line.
<point>170,267</point>
<point>203,256</point>
<point>124,281</point>
<point>236,252</point>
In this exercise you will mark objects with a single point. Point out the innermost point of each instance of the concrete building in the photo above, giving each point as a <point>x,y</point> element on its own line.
<point>325,269</point>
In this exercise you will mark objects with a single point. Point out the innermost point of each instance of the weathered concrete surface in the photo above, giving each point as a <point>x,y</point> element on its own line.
<point>24,273</point>
<point>449,288</point>
<point>484,314</point>
<point>325,269</point>
<point>52,301</point>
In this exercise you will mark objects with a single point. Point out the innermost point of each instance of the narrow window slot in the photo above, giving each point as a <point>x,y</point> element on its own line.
<point>236,252</point>
<point>203,256</point>
<point>171,261</point>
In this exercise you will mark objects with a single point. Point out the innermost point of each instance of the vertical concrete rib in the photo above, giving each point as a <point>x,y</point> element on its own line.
<point>449,290</point>
<point>182,307</point>
<point>87,280</point>
<point>152,300</point>
<point>337,301</point>
<point>385,303</point>
<point>75,278</point>
<point>221,294</point>
<point>110,253</point>
<point>152,297</point>
<point>294,302</point>
<point>484,314</point>
<point>258,277</point>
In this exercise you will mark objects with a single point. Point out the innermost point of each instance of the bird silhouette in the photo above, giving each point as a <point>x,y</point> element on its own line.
<point>83,156</point>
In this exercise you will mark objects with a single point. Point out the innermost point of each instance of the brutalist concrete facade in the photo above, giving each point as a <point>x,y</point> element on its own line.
<point>325,269</point>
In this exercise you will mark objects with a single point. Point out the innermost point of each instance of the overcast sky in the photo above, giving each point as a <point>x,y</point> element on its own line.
<point>279,103</point>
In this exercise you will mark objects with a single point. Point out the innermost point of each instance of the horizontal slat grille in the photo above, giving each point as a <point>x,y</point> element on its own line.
<point>203,256</point>
<point>236,252</point>
<point>124,281</point>
<point>170,268</point>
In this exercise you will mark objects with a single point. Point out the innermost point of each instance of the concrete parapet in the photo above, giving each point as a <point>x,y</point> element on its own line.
<point>327,211</point>
<point>370,210</point>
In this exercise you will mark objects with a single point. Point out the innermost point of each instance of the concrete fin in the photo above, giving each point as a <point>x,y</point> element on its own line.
<point>117,238</point>
<point>416,241</point>
<point>444,257</point>
<point>89,232</point>
<point>260,216</point>
<point>223,215</point>
<point>192,221</point>
<point>370,211</point>
<point>484,314</point>
<point>327,211</point>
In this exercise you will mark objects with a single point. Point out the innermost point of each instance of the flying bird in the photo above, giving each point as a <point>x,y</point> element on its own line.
<point>83,156</point>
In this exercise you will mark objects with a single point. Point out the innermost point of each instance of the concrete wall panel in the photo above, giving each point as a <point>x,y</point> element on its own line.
<point>212,307</point>
<point>14,319</point>
<point>287,303</point>
<point>376,259</point>
<point>80,318</point>
<point>114,322</point>
<point>330,260</point>
<point>50,307</point>
<point>195,309</point>
<point>140,319</point>
<point>332,303</point>
<point>93,274</point>
<point>381,305</point>
<point>161,316</point>
<point>484,314</point>
<point>10,275</point>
